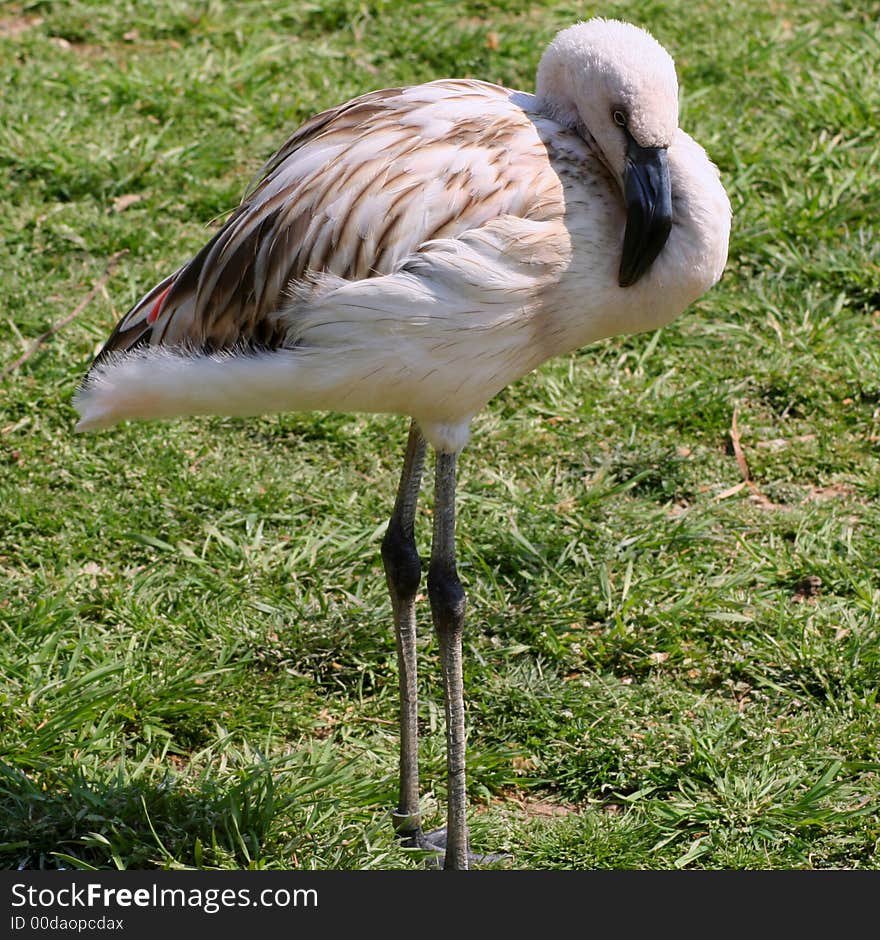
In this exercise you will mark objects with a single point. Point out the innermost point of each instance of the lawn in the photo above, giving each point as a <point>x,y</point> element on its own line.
<point>670,542</point>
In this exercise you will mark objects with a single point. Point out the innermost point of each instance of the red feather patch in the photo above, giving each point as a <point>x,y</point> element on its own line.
<point>151,316</point>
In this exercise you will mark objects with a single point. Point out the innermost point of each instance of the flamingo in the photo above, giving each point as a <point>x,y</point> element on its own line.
<point>414,251</point>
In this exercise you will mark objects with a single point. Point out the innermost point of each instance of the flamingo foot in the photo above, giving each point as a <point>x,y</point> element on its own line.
<point>433,844</point>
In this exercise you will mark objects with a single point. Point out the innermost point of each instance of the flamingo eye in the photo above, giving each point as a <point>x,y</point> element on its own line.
<point>619,118</point>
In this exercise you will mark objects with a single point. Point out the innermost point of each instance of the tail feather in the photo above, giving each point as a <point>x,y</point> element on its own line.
<point>166,382</point>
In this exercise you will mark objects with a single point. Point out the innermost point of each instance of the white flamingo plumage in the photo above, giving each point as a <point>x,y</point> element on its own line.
<point>415,250</point>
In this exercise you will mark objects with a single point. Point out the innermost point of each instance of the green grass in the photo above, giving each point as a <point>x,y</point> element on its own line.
<point>197,665</point>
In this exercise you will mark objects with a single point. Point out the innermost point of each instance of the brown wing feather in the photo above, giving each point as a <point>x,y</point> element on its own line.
<point>347,194</point>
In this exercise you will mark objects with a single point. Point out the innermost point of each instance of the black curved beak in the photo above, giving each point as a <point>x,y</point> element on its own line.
<point>648,195</point>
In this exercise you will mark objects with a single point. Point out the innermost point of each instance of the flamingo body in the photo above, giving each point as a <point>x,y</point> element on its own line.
<point>414,251</point>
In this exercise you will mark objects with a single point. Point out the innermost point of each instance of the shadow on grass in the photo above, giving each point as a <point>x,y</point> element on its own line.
<point>60,819</point>
<point>264,813</point>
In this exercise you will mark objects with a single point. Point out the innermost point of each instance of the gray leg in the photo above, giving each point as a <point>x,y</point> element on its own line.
<point>403,569</point>
<point>447,608</point>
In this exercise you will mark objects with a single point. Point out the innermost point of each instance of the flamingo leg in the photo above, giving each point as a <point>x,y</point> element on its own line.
<point>447,609</point>
<point>403,570</point>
